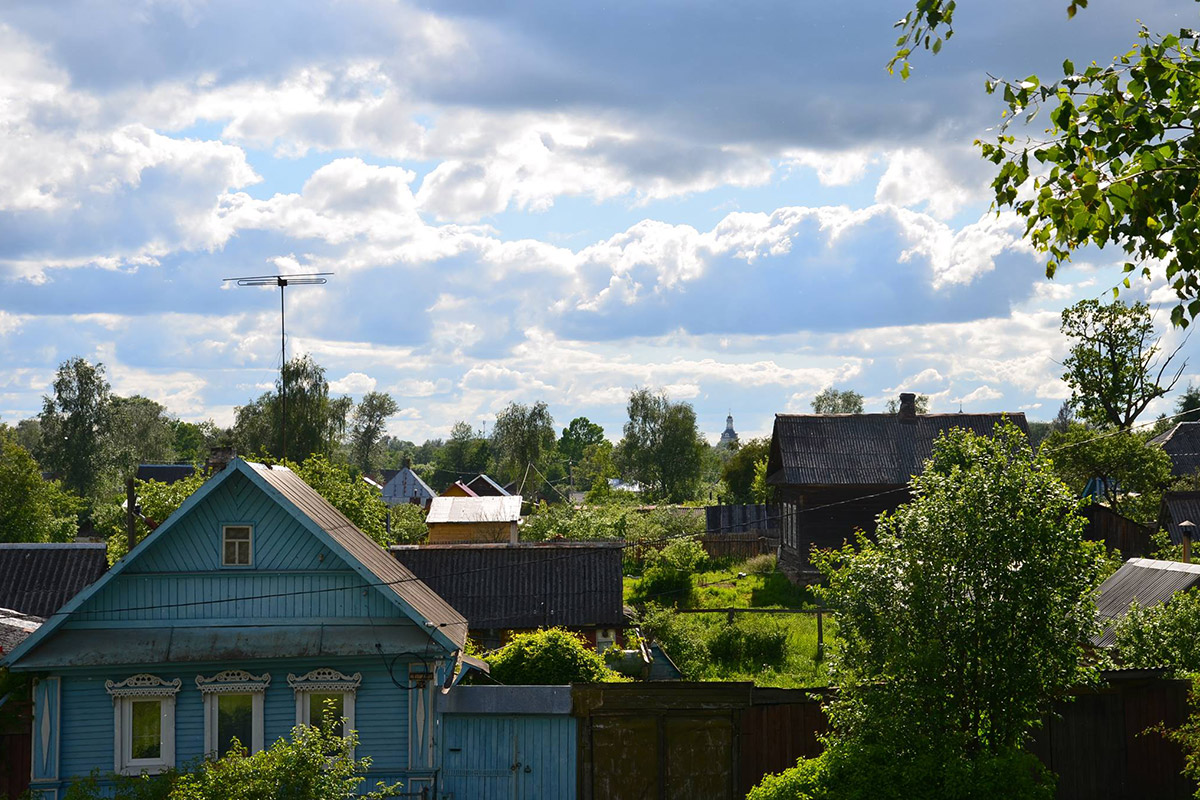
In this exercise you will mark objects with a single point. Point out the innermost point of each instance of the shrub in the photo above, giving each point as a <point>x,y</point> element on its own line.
<point>664,585</point>
<point>684,555</point>
<point>760,565</point>
<point>551,656</point>
<point>749,643</point>
<point>1162,635</point>
<point>681,636</point>
<point>408,524</point>
<point>315,764</point>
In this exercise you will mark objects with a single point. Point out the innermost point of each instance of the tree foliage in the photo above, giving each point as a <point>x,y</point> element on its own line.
<point>464,455</point>
<point>738,473</point>
<point>577,437</point>
<point>139,431</point>
<point>1116,366</point>
<point>366,431</point>
<point>33,509</point>
<point>74,424</point>
<point>315,421</point>
<point>1131,472</point>
<point>835,401</point>
<point>1187,405</point>
<point>523,436</point>
<point>662,448</point>
<point>955,628</point>
<point>1161,636</point>
<point>550,656</point>
<point>408,523</point>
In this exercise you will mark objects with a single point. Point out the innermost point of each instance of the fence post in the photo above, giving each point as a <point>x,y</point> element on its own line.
<point>820,635</point>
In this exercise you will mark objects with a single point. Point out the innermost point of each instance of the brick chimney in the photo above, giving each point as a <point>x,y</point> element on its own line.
<point>908,407</point>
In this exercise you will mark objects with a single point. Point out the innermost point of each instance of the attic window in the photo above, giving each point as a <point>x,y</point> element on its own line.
<point>236,541</point>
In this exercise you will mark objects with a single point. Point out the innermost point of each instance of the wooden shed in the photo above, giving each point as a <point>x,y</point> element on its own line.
<point>473,519</point>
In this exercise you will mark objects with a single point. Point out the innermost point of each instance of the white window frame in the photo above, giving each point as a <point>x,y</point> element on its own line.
<point>249,544</point>
<point>325,680</point>
<point>142,686</point>
<point>233,681</point>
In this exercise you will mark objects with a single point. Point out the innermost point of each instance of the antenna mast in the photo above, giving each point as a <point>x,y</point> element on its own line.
<point>282,281</point>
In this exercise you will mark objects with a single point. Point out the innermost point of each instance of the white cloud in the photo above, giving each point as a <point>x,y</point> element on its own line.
<point>355,383</point>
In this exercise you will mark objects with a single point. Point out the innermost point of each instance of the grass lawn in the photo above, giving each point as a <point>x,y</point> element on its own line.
<point>769,649</point>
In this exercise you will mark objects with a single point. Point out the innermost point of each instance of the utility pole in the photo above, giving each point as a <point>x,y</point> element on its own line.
<point>282,281</point>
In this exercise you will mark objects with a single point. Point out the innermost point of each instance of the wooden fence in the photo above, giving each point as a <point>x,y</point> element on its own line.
<point>741,519</point>
<point>739,546</point>
<point>717,740</point>
<point>1117,532</point>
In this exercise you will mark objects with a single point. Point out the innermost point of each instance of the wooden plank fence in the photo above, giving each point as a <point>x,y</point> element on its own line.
<point>739,546</point>
<point>717,740</point>
<point>741,519</point>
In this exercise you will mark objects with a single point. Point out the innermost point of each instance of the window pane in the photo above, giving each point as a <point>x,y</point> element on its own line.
<point>230,553</point>
<point>235,546</point>
<point>317,706</point>
<point>146,729</point>
<point>235,720</point>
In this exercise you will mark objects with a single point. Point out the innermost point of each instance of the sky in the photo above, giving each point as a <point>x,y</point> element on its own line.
<point>523,201</point>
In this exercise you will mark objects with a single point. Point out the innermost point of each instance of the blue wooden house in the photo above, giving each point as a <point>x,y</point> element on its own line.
<point>240,616</point>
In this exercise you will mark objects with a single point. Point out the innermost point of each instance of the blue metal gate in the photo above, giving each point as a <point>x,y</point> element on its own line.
<point>528,757</point>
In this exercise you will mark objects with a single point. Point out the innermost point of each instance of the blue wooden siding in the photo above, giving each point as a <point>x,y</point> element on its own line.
<point>195,542</point>
<point>381,712</point>
<point>495,757</point>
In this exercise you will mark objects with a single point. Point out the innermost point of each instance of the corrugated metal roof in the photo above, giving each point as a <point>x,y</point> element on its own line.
<point>400,581</point>
<point>474,509</point>
<point>863,449</point>
<point>1147,580</point>
<point>484,486</point>
<point>528,585</point>
<point>39,578</point>
<point>1182,444</point>
<point>1178,507</point>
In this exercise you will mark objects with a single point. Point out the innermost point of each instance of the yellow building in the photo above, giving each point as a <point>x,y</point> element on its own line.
<point>473,519</point>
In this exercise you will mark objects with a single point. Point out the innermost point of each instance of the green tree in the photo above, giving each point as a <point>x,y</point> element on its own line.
<point>551,656</point>
<point>75,423</point>
<point>761,490</point>
<point>1115,367</point>
<point>662,448</point>
<point>577,437</point>
<point>139,432</point>
<point>366,431</point>
<point>523,436</point>
<point>316,422</point>
<point>1132,472</point>
<point>833,401</point>
<point>346,492</point>
<point>1188,404</point>
<point>958,625</point>
<point>32,509</point>
<point>738,473</point>
<point>194,441</point>
<point>408,523</point>
<point>595,467</point>
<point>464,455</point>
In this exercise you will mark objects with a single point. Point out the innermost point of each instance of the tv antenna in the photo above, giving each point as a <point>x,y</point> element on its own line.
<point>283,281</point>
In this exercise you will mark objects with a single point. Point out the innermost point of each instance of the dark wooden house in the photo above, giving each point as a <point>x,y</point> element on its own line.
<point>835,473</point>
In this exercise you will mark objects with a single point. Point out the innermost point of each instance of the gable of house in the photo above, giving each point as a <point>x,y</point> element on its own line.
<point>405,486</point>
<point>1182,444</point>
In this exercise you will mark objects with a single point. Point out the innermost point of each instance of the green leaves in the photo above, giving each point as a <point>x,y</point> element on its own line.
<point>1119,163</point>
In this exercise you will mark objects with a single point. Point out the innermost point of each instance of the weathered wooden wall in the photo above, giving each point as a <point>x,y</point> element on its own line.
<point>739,546</point>
<point>1117,532</point>
<point>15,756</point>
<point>740,518</point>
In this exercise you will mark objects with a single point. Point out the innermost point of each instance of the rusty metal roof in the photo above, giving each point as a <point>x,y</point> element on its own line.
<point>16,628</point>
<point>421,598</point>
<point>39,578</point>
<point>1147,580</point>
<point>863,449</point>
<point>527,585</point>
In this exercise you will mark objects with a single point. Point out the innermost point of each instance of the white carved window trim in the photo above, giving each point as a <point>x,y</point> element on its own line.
<point>324,680</point>
<point>142,686</point>
<point>233,681</point>
<point>225,528</point>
